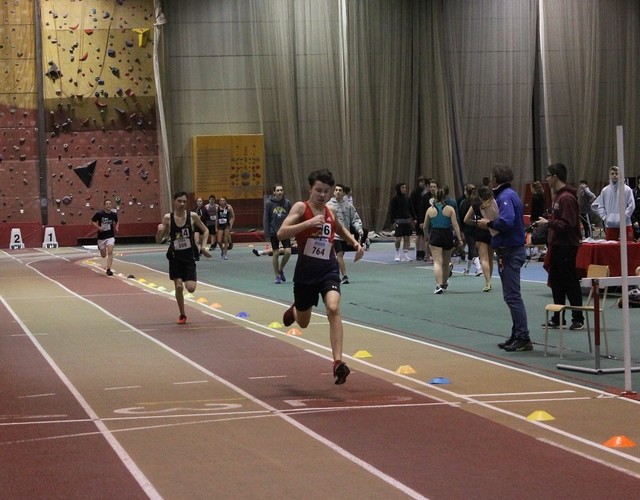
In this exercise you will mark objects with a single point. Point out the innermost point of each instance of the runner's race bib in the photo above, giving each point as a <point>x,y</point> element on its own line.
<point>319,247</point>
<point>184,242</point>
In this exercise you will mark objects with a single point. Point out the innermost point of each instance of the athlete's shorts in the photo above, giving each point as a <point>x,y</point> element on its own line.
<point>403,229</point>
<point>483,235</point>
<point>182,269</point>
<point>305,295</point>
<point>275,243</point>
<point>103,244</point>
<point>441,237</point>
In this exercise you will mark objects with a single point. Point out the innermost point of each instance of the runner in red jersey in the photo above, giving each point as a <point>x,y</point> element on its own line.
<point>314,226</point>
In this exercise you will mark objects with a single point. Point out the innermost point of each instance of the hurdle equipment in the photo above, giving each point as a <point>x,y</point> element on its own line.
<point>50,240</point>
<point>15,241</point>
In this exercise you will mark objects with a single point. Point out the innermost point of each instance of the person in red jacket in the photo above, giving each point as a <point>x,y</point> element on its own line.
<point>562,243</point>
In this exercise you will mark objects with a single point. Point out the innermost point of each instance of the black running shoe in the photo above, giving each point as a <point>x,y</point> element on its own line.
<point>109,272</point>
<point>507,342</point>
<point>519,345</point>
<point>340,372</point>
<point>256,253</point>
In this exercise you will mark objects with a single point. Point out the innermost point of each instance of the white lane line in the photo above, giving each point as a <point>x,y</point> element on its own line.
<point>125,458</point>
<point>128,461</point>
<point>37,395</point>
<point>33,417</point>
<point>534,400</point>
<point>584,455</point>
<point>122,388</point>
<point>191,382</point>
<point>530,393</point>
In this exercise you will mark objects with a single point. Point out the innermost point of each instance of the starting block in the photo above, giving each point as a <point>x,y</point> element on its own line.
<point>50,240</point>
<point>15,242</point>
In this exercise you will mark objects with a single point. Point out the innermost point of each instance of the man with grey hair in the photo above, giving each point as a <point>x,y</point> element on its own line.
<point>508,243</point>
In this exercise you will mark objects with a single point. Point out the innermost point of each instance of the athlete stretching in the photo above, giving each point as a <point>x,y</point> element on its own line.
<point>314,226</point>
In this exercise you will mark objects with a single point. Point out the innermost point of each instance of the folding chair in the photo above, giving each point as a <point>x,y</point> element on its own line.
<point>593,271</point>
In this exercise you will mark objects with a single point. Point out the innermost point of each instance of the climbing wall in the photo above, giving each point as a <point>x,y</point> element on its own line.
<point>100,136</point>
<point>100,109</point>
<point>19,176</point>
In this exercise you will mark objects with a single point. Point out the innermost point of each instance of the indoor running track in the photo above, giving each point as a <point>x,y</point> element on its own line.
<point>104,396</point>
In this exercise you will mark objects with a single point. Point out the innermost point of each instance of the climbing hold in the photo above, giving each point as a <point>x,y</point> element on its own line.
<point>85,172</point>
<point>53,72</point>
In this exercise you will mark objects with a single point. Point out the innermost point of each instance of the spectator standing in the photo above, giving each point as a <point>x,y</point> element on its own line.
<point>183,252</point>
<point>489,207</point>
<point>469,230</point>
<point>314,225</point>
<point>428,202</point>
<point>562,246</point>
<point>635,218</point>
<point>509,246</point>
<point>276,209</point>
<point>402,215</point>
<point>482,237</point>
<point>106,221</point>
<point>585,198</point>
<point>364,238</point>
<point>606,205</point>
<point>349,218</point>
<point>441,222</point>
<point>347,195</point>
<point>537,201</point>
<point>419,202</point>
